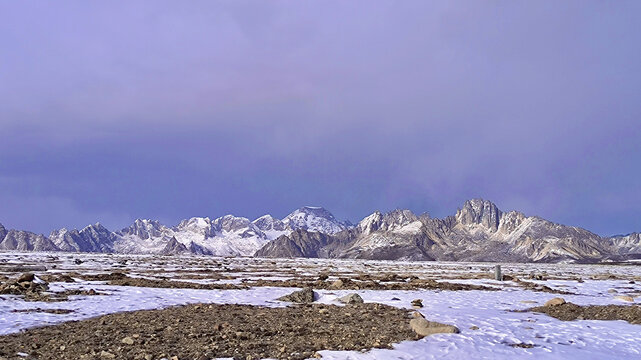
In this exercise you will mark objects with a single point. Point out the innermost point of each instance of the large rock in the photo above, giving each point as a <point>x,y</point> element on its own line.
<point>624,298</point>
<point>351,299</point>
<point>424,327</point>
<point>306,295</point>
<point>554,302</point>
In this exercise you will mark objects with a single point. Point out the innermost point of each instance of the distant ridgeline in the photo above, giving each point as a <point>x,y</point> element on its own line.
<point>479,231</point>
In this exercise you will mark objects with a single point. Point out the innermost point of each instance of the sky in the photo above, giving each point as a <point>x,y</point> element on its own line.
<point>117,110</point>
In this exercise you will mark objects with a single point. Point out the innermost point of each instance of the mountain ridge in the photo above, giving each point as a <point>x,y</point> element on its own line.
<point>478,231</point>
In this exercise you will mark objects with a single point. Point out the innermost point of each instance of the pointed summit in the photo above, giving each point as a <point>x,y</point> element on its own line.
<point>479,211</point>
<point>316,219</point>
<point>3,232</point>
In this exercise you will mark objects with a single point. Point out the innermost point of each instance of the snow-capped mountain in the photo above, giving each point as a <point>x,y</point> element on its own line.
<point>25,241</point>
<point>93,238</point>
<point>224,236</point>
<point>479,231</point>
<point>271,227</point>
<point>314,219</point>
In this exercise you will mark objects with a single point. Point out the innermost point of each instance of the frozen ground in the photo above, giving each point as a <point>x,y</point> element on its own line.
<point>499,327</point>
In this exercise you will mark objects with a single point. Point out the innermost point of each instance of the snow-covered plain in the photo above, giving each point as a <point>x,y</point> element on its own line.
<point>499,326</point>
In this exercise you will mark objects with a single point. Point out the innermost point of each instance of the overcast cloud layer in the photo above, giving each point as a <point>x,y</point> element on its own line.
<point>119,110</point>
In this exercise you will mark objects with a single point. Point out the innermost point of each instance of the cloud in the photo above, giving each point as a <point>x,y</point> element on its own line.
<point>209,108</point>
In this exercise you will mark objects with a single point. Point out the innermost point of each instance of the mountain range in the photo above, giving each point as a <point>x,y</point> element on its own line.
<point>479,231</point>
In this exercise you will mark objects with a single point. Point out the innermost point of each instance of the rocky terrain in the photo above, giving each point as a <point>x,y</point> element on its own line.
<point>225,236</point>
<point>479,231</point>
<point>217,331</point>
<point>109,306</point>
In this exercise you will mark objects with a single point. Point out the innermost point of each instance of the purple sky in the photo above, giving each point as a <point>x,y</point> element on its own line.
<point>119,110</point>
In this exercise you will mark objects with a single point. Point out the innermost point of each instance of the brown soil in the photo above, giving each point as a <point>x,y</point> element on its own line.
<point>48,311</point>
<point>569,312</point>
<point>209,331</point>
<point>542,288</point>
<point>122,279</point>
<point>36,291</point>
<point>349,284</point>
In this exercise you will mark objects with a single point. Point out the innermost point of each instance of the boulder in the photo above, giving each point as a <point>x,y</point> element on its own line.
<point>554,302</point>
<point>351,299</point>
<point>424,327</point>
<point>306,295</point>
<point>417,303</point>
<point>26,277</point>
<point>624,298</point>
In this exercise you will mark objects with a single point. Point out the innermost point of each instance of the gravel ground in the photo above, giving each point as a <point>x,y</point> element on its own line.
<point>210,331</point>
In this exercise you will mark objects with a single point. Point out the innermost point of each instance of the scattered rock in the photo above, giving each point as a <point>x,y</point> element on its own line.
<point>624,298</point>
<point>424,327</point>
<point>474,327</point>
<point>127,340</point>
<point>107,355</point>
<point>351,299</point>
<point>246,332</point>
<point>26,277</point>
<point>306,295</point>
<point>337,284</point>
<point>417,303</point>
<point>569,312</point>
<point>612,291</point>
<point>555,302</point>
<point>528,302</point>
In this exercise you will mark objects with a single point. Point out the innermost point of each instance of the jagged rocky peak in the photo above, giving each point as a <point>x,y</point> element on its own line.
<point>26,241</point>
<point>479,211</point>
<point>95,230</point>
<point>3,232</point>
<point>399,217</point>
<point>393,220</point>
<point>198,225</point>
<point>144,229</point>
<point>174,247</point>
<point>231,223</point>
<point>371,223</point>
<point>511,220</point>
<point>316,219</point>
<point>268,222</point>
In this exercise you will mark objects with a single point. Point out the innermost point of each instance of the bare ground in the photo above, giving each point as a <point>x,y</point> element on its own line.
<point>209,331</point>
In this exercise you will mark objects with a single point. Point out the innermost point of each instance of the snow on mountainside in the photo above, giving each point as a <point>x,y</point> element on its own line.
<point>315,219</point>
<point>478,231</point>
<point>225,236</point>
<point>271,227</point>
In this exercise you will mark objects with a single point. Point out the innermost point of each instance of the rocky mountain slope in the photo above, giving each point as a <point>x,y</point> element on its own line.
<point>479,231</point>
<point>225,236</point>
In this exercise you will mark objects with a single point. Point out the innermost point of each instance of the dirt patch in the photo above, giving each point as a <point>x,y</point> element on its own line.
<point>48,311</point>
<point>349,284</point>
<point>569,312</point>
<point>140,282</point>
<point>541,288</point>
<point>210,331</point>
<point>121,279</point>
<point>22,268</point>
<point>34,289</point>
